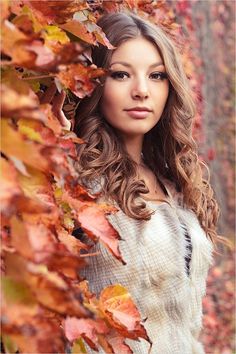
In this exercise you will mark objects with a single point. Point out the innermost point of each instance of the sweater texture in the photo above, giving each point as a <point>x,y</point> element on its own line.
<point>165,273</point>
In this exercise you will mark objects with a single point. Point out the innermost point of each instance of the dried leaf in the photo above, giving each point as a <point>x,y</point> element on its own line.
<point>121,312</point>
<point>55,11</point>
<point>9,186</point>
<point>21,147</point>
<point>49,288</point>
<point>78,29</point>
<point>78,78</point>
<point>85,328</point>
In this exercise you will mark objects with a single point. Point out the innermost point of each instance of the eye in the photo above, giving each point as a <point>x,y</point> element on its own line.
<point>159,76</point>
<point>119,75</point>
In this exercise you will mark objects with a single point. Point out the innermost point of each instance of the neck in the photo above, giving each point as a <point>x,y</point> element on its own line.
<point>134,148</point>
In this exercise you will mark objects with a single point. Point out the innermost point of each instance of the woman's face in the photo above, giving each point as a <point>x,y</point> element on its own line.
<point>136,89</point>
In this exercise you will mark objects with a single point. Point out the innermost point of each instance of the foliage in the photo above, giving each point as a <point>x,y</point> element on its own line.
<point>46,47</point>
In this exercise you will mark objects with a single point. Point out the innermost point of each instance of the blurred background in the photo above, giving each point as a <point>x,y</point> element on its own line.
<point>210,28</point>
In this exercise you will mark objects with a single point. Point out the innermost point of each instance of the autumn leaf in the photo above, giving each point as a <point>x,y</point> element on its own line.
<point>70,242</point>
<point>4,9</point>
<point>12,195</point>
<point>49,288</point>
<point>79,30</point>
<point>9,186</point>
<point>59,11</point>
<point>51,122</point>
<point>117,342</point>
<point>78,78</point>
<point>85,328</point>
<point>92,219</point>
<point>34,335</point>
<point>121,312</point>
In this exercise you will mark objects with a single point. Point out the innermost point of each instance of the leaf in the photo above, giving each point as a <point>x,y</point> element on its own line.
<point>88,31</point>
<point>55,34</point>
<point>121,312</point>
<point>9,186</point>
<point>117,342</point>
<point>36,131</point>
<point>9,345</point>
<point>78,29</point>
<point>78,78</point>
<point>96,226</point>
<point>11,36</point>
<point>93,221</point>
<point>59,11</point>
<point>12,196</point>
<point>15,105</point>
<point>37,186</point>
<point>4,9</point>
<point>78,347</point>
<point>85,328</point>
<point>49,288</point>
<point>17,292</point>
<point>35,333</point>
<point>52,122</point>
<point>70,242</point>
<point>21,147</point>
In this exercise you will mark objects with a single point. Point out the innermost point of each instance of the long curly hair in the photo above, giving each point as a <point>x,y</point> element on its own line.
<point>169,149</point>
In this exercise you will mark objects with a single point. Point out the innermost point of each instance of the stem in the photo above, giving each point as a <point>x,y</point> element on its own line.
<point>37,77</point>
<point>89,254</point>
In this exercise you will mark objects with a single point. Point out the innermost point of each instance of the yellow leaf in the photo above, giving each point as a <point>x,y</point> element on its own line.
<point>54,33</point>
<point>26,128</point>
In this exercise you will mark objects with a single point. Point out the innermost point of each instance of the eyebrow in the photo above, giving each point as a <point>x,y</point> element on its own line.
<point>129,65</point>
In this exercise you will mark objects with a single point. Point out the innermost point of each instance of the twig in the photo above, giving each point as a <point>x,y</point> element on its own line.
<point>90,254</point>
<point>37,77</point>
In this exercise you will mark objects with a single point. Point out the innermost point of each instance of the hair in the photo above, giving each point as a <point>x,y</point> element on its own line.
<point>169,149</point>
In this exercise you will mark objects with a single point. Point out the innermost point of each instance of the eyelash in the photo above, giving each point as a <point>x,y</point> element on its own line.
<point>115,75</point>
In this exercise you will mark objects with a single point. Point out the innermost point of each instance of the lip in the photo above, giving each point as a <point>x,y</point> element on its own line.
<point>139,109</point>
<point>138,112</point>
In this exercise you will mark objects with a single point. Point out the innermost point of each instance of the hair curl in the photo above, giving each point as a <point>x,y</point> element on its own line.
<point>170,142</point>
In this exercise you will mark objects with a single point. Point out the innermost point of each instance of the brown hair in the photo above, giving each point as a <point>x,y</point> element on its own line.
<point>170,142</point>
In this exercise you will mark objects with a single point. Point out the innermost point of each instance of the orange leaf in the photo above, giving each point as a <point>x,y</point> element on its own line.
<point>34,335</point>
<point>55,11</point>
<point>16,105</point>
<point>12,195</point>
<point>93,221</point>
<point>121,312</point>
<point>4,9</point>
<point>86,328</point>
<point>78,29</point>
<point>9,186</point>
<point>78,78</point>
<point>21,147</point>
<point>70,242</point>
<point>49,288</point>
<point>51,122</point>
<point>118,344</point>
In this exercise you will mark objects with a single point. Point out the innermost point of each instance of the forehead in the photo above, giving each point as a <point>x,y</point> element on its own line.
<point>136,50</point>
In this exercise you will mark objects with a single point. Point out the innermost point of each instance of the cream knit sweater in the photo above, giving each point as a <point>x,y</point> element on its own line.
<point>156,274</point>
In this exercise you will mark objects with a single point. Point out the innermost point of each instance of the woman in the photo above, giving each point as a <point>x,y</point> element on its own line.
<point>141,156</point>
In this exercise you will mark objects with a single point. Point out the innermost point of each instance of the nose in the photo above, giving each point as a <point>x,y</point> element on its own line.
<point>140,89</point>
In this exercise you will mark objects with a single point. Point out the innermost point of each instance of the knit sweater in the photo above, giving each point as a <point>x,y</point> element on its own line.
<point>164,275</point>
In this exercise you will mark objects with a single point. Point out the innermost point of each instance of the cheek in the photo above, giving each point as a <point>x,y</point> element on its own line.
<point>162,97</point>
<point>110,99</point>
